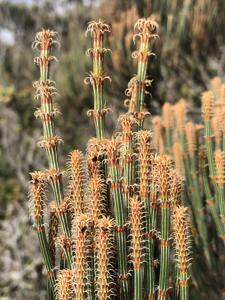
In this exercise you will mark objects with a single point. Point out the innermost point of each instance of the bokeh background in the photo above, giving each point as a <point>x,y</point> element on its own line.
<point>189,52</point>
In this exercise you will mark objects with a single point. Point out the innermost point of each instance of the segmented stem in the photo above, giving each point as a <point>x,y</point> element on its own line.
<point>97,75</point>
<point>104,268</point>
<point>181,229</point>
<point>44,41</point>
<point>119,214</point>
<point>145,168</point>
<point>137,242</point>
<point>37,198</point>
<point>163,173</point>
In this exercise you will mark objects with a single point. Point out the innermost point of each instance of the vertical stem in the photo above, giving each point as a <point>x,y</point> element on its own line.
<point>164,252</point>
<point>211,205</point>
<point>119,214</point>
<point>97,75</point>
<point>138,284</point>
<point>184,289</point>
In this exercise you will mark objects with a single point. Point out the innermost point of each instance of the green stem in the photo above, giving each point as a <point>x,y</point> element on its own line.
<point>221,202</point>
<point>45,251</point>
<point>169,141</point>
<point>198,207</point>
<point>150,273</point>
<point>164,252</point>
<point>211,205</point>
<point>209,147</point>
<point>121,230</point>
<point>52,153</point>
<point>138,284</point>
<point>184,289</point>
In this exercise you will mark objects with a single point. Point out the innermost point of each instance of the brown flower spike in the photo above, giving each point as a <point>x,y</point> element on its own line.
<point>207,105</point>
<point>220,168</point>
<point>76,182</point>
<point>145,159</point>
<point>104,246</point>
<point>81,230</point>
<point>179,114</point>
<point>64,285</point>
<point>181,229</point>
<point>53,229</point>
<point>136,227</point>
<point>37,197</point>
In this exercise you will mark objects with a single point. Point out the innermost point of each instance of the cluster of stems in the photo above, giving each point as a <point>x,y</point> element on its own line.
<point>110,236</point>
<point>198,152</point>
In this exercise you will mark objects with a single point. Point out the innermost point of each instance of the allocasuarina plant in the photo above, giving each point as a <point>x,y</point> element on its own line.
<point>112,221</point>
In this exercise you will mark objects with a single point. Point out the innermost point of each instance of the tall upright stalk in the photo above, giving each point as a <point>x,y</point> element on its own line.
<point>45,90</point>
<point>38,197</point>
<point>145,169</point>
<point>181,230</point>
<point>137,242</point>
<point>97,75</point>
<point>119,214</point>
<point>163,173</point>
<point>145,31</point>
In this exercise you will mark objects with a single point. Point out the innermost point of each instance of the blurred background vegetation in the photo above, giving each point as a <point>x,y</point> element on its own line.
<point>190,51</point>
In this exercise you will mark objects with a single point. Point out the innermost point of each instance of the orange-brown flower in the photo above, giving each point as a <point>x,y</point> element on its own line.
<point>77,176</point>
<point>220,168</point>
<point>207,105</point>
<point>136,228</point>
<point>37,196</point>
<point>64,285</point>
<point>180,114</point>
<point>181,228</point>
<point>104,246</point>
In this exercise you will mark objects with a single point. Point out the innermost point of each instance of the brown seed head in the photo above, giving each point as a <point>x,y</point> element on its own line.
<point>207,105</point>
<point>222,94</point>
<point>216,85</point>
<point>96,149</point>
<point>191,138</point>
<point>202,157</point>
<point>53,228</point>
<point>37,196</point>
<point>104,244</point>
<point>145,160</point>
<point>180,114</point>
<point>158,140</point>
<point>167,114</point>
<point>97,191</point>
<point>217,125</point>
<point>181,228</point>
<point>64,284</point>
<point>127,121</point>
<point>178,158</point>
<point>220,168</point>
<point>76,187</point>
<point>163,171</point>
<point>136,232</point>
<point>175,188</point>
<point>81,236</point>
